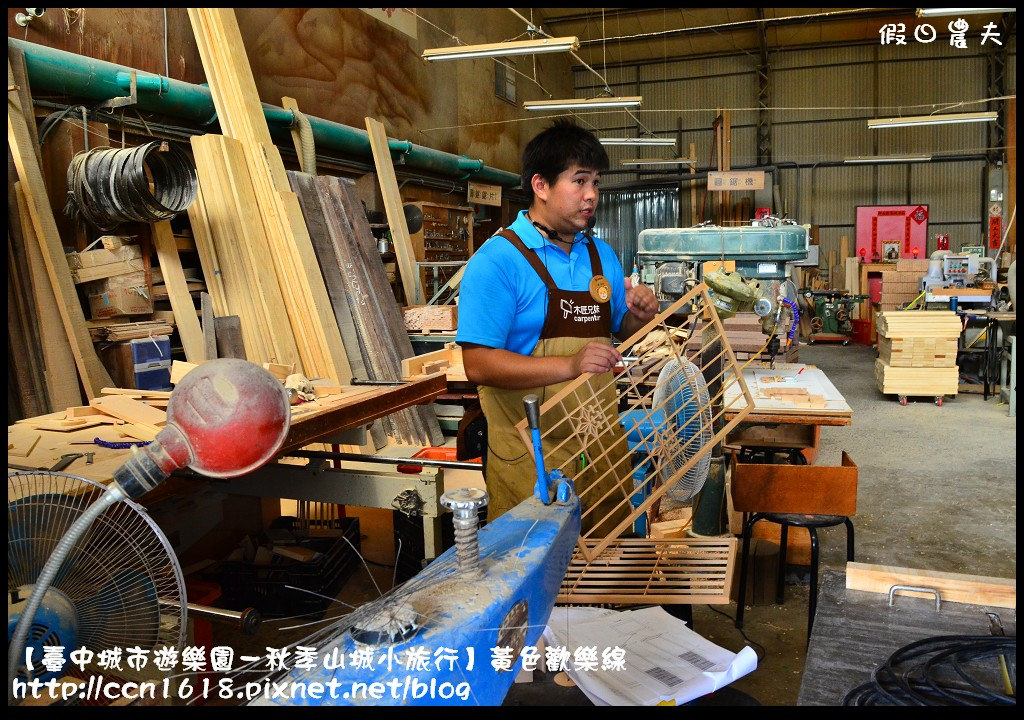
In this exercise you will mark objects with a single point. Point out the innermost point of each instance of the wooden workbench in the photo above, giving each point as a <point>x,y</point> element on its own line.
<point>311,422</point>
<point>768,411</point>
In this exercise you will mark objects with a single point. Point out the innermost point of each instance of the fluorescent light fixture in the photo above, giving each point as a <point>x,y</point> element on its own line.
<point>931,119</point>
<point>880,159</point>
<point>657,161</point>
<point>941,12</point>
<point>584,103</point>
<point>643,141</point>
<point>518,47</point>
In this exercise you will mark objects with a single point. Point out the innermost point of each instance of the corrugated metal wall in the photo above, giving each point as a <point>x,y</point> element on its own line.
<point>821,100</point>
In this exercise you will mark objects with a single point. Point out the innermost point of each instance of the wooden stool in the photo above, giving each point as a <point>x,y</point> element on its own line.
<point>785,520</point>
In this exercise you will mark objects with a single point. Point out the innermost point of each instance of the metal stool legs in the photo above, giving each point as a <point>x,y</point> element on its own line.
<point>744,552</point>
<point>783,544</point>
<point>811,523</point>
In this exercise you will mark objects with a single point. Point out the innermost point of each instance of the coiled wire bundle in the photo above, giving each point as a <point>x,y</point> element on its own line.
<point>945,670</point>
<point>148,183</point>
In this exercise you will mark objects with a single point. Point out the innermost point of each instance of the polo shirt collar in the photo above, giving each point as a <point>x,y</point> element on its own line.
<point>531,236</point>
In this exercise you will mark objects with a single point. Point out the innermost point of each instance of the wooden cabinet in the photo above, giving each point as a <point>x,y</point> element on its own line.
<point>442,241</point>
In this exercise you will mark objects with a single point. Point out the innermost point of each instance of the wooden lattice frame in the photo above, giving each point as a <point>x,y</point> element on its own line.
<point>684,570</point>
<point>576,413</point>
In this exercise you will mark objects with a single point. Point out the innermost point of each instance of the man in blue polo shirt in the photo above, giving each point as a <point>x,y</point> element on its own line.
<point>538,304</point>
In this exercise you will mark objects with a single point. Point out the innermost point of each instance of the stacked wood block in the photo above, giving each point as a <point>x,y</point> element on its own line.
<point>747,340</point>
<point>901,284</point>
<point>924,352</point>
<point>431,317</point>
<point>917,353</point>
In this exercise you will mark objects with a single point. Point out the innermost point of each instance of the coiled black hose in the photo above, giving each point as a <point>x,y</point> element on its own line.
<point>149,183</point>
<point>944,670</point>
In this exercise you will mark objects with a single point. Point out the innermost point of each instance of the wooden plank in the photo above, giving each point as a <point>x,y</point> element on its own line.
<point>806,489</point>
<point>60,378</point>
<point>179,370</point>
<point>189,331</point>
<point>131,411</point>
<point>239,110</point>
<point>209,333</point>
<point>953,587</point>
<point>206,249</point>
<point>229,337</point>
<point>99,272</point>
<point>396,215</point>
<point>19,142</point>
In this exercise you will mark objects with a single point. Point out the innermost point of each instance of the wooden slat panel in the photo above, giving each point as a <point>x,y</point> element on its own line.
<point>805,489</point>
<point>655,574</point>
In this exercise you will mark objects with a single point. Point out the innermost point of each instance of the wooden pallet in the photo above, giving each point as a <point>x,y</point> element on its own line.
<point>670,570</point>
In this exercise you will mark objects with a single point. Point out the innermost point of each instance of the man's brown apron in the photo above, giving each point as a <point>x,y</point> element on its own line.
<point>511,472</point>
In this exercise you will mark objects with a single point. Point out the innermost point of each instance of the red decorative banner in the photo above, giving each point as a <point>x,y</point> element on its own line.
<point>995,231</point>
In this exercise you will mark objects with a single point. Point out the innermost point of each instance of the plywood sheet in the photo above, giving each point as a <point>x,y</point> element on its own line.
<point>785,389</point>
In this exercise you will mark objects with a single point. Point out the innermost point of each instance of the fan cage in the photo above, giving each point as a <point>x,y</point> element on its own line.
<point>122,576</point>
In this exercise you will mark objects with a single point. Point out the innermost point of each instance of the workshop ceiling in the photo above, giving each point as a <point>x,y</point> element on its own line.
<point>610,36</point>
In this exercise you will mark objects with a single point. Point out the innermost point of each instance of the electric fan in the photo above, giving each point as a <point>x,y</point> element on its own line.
<point>120,586</point>
<point>674,430</point>
<point>91,560</point>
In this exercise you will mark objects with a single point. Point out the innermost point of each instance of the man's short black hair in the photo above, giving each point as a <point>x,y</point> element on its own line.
<point>552,151</point>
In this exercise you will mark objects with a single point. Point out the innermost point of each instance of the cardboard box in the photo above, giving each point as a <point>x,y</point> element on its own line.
<point>114,301</point>
<point>93,258</point>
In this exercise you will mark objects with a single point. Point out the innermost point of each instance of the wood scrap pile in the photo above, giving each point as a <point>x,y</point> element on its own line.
<point>135,414</point>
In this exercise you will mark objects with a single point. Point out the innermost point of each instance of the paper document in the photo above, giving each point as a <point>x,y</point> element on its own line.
<point>662,659</point>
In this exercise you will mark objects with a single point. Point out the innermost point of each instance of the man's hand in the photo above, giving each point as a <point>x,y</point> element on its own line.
<point>641,302</point>
<point>595,357</point>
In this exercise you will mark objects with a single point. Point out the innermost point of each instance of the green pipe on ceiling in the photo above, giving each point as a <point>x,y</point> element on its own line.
<point>59,72</point>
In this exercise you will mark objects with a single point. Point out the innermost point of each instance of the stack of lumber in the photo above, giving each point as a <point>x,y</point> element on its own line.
<point>361,298</point>
<point>116,332</point>
<point>431,317</point>
<point>917,352</point>
<point>902,284</point>
<point>747,340</point>
<point>256,253</point>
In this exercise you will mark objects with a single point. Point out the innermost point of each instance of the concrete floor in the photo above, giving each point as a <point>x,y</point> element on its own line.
<point>937,491</point>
